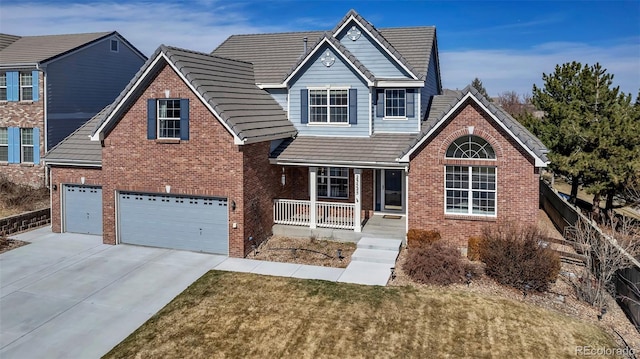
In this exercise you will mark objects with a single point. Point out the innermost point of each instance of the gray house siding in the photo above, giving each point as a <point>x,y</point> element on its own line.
<point>371,55</point>
<point>81,84</point>
<point>340,74</point>
<point>410,125</point>
<point>280,95</point>
<point>431,87</point>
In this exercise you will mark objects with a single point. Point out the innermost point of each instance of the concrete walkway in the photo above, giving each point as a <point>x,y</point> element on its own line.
<point>70,296</point>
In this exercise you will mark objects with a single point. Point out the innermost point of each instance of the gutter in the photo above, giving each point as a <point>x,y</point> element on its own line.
<point>35,65</point>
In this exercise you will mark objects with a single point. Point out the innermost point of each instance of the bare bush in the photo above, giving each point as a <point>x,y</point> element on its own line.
<point>420,237</point>
<point>515,256</point>
<point>437,263</point>
<point>606,252</point>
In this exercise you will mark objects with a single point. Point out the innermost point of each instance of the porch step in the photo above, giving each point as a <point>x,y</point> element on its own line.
<point>379,243</point>
<point>375,256</point>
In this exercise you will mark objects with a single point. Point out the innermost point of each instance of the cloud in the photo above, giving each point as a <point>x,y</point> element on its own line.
<point>517,70</point>
<point>146,25</point>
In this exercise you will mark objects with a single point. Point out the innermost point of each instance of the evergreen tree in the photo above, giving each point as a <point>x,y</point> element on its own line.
<point>477,84</point>
<point>590,128</point>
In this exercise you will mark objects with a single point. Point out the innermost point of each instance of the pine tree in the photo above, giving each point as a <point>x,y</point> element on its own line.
<point>591,129</point>
<point>477,84</point>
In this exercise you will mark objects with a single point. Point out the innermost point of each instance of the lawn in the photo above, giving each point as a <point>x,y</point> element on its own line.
<point>226,314</point>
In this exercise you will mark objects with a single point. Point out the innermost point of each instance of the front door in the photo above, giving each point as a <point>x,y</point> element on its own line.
<point>392,189</point>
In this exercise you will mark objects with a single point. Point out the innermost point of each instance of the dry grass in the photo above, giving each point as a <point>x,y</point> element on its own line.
<point>226,314</point>
<point>16,199</point>
<point>305,251</point>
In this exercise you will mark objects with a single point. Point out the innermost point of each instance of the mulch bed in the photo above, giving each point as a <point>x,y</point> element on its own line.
<point>310,251</point>
<point>7,244</point>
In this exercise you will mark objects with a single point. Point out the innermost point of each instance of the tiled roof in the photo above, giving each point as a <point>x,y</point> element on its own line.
<point>274,55</point>
<point>441,105</point>
<point>377,150</point>
<point>6,40</point>
<point>77,148</point>
<point>228,87</point>
<point>37,49</point>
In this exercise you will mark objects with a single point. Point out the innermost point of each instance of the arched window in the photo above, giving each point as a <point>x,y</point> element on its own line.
<point>471,190</point>
<point>470,146</point>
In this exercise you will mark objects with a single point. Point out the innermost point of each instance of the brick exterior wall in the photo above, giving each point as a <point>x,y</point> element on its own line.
<point>517,179</point>
<point>69,175</point>
<point>25,114</point>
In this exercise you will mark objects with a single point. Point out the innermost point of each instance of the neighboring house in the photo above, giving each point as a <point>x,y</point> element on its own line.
<point>318,129</point>
<point>49,86</point>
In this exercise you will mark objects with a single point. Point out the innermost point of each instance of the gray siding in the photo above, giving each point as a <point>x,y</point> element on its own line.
<point>339,74</point>
<point>371,56</point>
<point>81,84</point>
<point>280,95</point>
<point>410,125</point>
<point>430,84</point>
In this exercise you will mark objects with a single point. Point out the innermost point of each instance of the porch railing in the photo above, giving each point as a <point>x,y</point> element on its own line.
<point>328,214</point>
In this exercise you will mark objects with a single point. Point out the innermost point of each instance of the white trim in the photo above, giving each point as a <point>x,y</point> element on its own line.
<point>386,97</point>
<point>327,90</point>
<point>357,198</point>
<point>313,196</point>
<point>99,135</point>
<point>470,194</point>
<point>392,118</point>
<point>271,86</point>
<point>400,83</point>
<point>538,161</point>
<point>71,163</point>
<point>328,124</point>
<point>419,112</point>
<point>62,209</point>
<point>328,177</point>
<point>158,118</point>
<point>406,209</point>
<point>383,185</point>
<point>352,18</point>
<point>370,112</point>
<point>116,211</point>
<point>310,55</point>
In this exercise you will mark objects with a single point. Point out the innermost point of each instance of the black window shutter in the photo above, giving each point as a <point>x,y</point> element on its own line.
<point>184,119</point>
<point>304,106</point>
<point>353,106</point>
<point>411,107</point>
<point>151,119</point>
<point>380,103</point>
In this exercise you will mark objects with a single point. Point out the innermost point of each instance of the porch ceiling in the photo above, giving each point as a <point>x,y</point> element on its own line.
<point>379,150</point>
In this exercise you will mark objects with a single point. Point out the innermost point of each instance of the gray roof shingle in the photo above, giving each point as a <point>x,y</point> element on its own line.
<point>6,40</point>
<point>228,86</point>
<point>274,55</point>
<point>377,150</point>
<point>442,104</point>
<point>37,49</point>
<point>77,148</point>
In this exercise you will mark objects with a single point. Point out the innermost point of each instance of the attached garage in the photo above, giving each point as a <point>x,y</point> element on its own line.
<point>82,208</point>
<point>179,222</point>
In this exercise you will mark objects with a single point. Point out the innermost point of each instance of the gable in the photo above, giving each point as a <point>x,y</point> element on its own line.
<point>357,40</point>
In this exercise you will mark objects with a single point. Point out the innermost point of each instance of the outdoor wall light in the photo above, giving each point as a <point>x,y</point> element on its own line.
<point>55,187</point>
<point>340,256</point>
<point>470,129</point>
<point>167,93</point>
<point>82,180</point>
<point>233,208</point>
<point>393,273</point>
<point>167,188</point>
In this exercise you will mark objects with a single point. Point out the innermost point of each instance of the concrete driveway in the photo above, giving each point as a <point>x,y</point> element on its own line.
<point>70,296</point>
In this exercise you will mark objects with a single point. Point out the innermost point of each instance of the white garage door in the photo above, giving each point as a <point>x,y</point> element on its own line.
<point>82,207</point>
<point>180,222</point>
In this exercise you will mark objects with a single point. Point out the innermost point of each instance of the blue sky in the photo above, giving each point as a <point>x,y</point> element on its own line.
<point>507,44</point>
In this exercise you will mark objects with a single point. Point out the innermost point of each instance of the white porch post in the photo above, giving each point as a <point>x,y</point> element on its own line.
<point>357,184</point>
<point>313,196</point>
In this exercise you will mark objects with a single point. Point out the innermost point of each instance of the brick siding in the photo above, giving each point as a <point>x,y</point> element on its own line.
<point>28,114</point>
<point>517,179</point>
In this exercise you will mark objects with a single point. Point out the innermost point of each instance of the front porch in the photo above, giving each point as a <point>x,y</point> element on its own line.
<point>378,226</point>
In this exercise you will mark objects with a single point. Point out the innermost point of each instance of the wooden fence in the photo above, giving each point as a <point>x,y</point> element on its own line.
<point>564,215</point>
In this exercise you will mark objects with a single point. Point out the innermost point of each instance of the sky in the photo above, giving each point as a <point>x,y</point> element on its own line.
<point>508,45</point>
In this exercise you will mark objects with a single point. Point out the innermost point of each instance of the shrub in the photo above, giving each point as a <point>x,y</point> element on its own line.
<point>438,263</point>
<point>473,248</point>
<point>514,256</point>
<point>420,237</point>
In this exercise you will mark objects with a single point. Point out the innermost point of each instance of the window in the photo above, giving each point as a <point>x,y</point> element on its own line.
<point>115,45</point>
<point>329,106</point>
<point>471,147</point>
<point>395,103</point>
<point>471,190</point>
<point>3,86</point>
<point>26,145</point>
<point>4,144</point>
<point>333,182</point>
<point>168,118</point>
<point>26,86</point>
